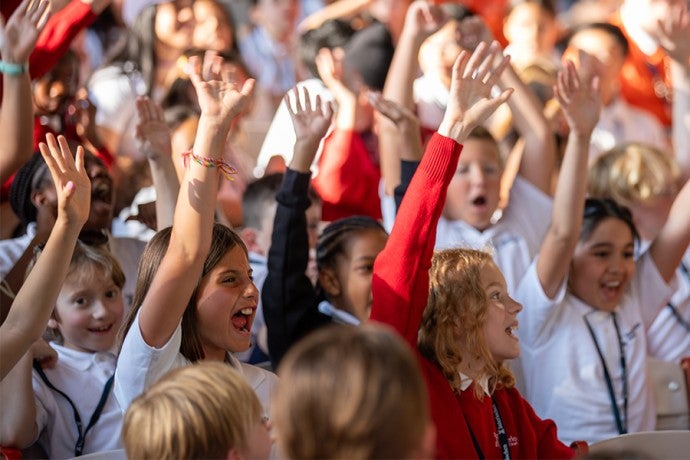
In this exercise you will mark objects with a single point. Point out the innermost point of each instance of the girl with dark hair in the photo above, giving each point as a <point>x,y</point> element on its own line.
<point>589,303</point>
<point>195,298</point>
<point>345,250</point>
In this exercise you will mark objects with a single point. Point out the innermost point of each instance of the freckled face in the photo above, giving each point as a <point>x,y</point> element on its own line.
<point>500,328</point>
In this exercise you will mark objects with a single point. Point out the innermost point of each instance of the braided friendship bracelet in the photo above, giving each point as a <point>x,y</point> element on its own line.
<point>226,168</point>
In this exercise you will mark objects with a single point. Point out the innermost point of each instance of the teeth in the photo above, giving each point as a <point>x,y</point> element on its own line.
<point>247,311</point>
<point>613,284</point>
<point>101,329</point>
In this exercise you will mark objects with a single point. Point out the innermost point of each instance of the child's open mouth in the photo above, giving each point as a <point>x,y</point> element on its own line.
<point>240,320</point>
<point>479,201</point>
<point>101,330</point>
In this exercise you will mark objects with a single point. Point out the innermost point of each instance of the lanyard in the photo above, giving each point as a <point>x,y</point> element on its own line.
<point>500,428</point>
<point>79,446</point>
<point>621,423</point>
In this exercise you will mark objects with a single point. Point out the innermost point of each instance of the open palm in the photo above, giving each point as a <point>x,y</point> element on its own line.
<point>18,37</point>
<point>310,122</point>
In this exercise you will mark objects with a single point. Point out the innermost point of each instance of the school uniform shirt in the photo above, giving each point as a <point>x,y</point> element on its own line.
<point>668,337</point>
<point>621,122</point>
<point>82,376</point>
<point>564,374</point>
<point>141,365</point>
<point>400,288</point>
<point>513,240</point>
<point>270,61</point>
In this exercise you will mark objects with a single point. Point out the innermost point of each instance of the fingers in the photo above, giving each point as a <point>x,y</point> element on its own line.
<point>39,14</point>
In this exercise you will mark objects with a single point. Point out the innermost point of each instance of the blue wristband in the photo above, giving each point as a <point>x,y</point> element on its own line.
<point>13,69</point>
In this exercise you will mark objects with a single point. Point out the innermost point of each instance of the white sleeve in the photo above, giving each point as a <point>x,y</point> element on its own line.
<point>538,311</point>
<point>529,211</point>
<point>140,365</point>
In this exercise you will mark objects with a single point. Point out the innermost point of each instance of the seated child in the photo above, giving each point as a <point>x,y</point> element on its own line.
<point>340,397</point>
<point>202,411</point>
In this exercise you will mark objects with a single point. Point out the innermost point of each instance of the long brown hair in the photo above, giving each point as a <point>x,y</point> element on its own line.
<point>455,315</point>
<point>223,240</point>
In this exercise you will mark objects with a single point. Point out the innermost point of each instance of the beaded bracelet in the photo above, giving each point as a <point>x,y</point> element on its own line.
<point>223,166</point>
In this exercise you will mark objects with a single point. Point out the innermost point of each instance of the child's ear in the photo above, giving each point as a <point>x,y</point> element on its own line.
<point>329,282</point>
<point>52,323</point>
<point>233,455</point>
<point>250,236</point>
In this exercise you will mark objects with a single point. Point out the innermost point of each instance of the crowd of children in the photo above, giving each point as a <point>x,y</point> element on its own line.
<point>339,229</point>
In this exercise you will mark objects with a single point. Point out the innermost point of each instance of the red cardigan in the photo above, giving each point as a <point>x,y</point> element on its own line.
<point>400,289</point>
<point>348,179</point>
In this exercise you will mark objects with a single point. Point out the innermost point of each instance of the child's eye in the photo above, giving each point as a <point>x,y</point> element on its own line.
<point>80,301</point>
<point>496,296</point>
<point>490,170</point>
<point>601,254</point>
<point>111,293</point>
<point>366,268</point>
<point>629,254</point>
<point>462,170</point>
<point>230,280</point>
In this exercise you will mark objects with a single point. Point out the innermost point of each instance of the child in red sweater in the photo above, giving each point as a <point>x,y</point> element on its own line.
<point>468,424</point>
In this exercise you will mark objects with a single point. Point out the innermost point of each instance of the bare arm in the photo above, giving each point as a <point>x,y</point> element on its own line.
<point>421,20</point>
<point>221,101</point>
<point>335,10</point>
<point>18,427</point>
<point>675,39</point>
<point>154,136</point>
<point>581,105</point>
<point>17,40</point>
<point>34,302</point>
<point>672,241</point>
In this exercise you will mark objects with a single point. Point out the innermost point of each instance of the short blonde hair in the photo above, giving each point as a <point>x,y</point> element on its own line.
<point>453,320</point>
<point>633,173</point>
<point>350,392</point>
<point>198,411</point>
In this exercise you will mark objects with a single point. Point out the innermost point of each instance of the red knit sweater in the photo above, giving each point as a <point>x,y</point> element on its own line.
<point>400,289</point>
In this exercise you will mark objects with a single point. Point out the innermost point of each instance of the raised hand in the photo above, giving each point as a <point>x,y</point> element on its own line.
<point>405,121</point>
<point>152,131</point>
<point>18,37</point>
<point>423,18</point>
<point>580,99</point>
<point>219,98</point>
<point>71,181</point>
<point>311,124</point>
<point>471,102</point>
<point>674,34</point>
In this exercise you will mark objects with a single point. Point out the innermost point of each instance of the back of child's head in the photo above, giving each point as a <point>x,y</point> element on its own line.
<point>199,411</point>
<point>368,55</point>
<point>350,392</point>
<point>633,173</point>
<point>223,240</point>
<point>335,236</point>
<point>259,200</point>
<point>333,33</point>
<point>599,209</point>
<point>87,261</point>
<point>457,308</point>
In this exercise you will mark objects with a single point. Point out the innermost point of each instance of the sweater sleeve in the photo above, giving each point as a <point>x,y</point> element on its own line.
<point>348,179</point>
<point>288,297</point>
<point>401,272</point>
<point>57,36</point>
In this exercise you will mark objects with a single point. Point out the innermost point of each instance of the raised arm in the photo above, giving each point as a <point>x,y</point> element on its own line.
<point>288,296</point>
<point>17,40</point>
<point>421,20</point>
<point>220,101</point>
<point>34,302</point>
<point>675,39</point>
<point>672,241</point>
<point>154,135</point>
<point>581,106</point>
<point>401,271</point>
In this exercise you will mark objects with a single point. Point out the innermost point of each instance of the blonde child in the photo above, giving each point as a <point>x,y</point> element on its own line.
<point>352,392</point>
<point>195,296</point>
<point>453,353</point>
<point>69,410</point>
<point>203,411</point>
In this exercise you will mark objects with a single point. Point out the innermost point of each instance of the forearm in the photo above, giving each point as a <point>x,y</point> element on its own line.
<point>672,241</point>
<point>16,124</point>
<point>539,157</point>
<point>680,75</point>
<point>18,422</point>
<point>167,189</point>
<point>566,218</point>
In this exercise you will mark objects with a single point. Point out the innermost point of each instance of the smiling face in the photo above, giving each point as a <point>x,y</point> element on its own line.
<point>474,191</point>
<point>89,309</point>
<point>353,272</point>
<point>500,327</point>
<point>174,24</point>
<point>226,305</point>
<point>603,265</point>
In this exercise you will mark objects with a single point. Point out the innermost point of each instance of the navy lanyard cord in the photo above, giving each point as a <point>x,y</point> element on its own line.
<point>500,428</point>
<point>621,423</point>
<point>79,447</point>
